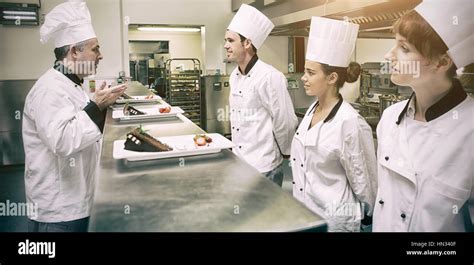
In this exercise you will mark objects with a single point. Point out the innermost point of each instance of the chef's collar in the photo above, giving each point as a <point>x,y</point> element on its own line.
<point>333,111</point>
<point>455,96</point>
<point>249,66</point>
<point>60,67</point>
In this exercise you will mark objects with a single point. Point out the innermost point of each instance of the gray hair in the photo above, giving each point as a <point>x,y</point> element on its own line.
<point>61,52</point>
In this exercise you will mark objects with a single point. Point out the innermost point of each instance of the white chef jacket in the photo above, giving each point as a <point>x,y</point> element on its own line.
<point>262,116</point>
<point>61,149</point>
<point>424,189</point>
<point>334,167</point>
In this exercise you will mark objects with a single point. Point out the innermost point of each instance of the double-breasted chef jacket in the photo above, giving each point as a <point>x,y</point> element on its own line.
<point>426,169</point>
<point>62,130</point>
<point>334,167</point>
<point>262,116</point>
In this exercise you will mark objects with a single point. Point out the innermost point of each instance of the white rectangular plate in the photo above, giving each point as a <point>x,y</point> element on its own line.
<point>138,104</point>
<point>183,145</point>
<point>151,113</point>
<point>138,99</point>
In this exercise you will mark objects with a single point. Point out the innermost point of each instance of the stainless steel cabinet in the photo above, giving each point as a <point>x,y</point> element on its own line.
<point>12,101</point>
<point>216,103</point>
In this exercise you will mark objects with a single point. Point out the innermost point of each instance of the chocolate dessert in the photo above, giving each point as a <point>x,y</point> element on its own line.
<point>131,111</point>
<point>138,140</point>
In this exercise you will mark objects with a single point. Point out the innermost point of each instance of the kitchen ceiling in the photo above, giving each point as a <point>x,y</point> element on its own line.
<point>293,17</point>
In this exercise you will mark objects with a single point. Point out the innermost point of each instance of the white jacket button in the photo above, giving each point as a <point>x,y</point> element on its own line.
<point>403,216</point>
<point>386,158</point>
<point>381,202</point>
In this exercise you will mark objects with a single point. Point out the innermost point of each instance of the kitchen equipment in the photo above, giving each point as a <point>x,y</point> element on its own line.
<point>385,101</point>
<point>183,87</point>
<point>216,90</point>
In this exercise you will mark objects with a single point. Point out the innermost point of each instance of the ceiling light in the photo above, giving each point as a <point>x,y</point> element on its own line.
<point>376,29</point>
<point>169,29</point>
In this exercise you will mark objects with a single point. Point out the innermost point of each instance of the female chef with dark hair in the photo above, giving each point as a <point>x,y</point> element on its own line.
<point>332,153</point>
<point>425,144</point>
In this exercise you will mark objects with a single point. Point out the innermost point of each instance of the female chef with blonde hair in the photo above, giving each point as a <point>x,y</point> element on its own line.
<point>332,153</point>
<point>425,151</point>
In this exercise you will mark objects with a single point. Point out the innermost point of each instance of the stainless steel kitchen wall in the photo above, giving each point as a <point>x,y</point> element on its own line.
<point>12,101</point>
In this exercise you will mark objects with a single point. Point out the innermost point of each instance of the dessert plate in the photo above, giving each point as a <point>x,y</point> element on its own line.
<point>151,112</point>
<point>183,145</point>
<point>138,99</point>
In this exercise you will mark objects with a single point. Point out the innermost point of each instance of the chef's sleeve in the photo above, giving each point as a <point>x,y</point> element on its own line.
<point>276,100</point>
<point>64,129</point>
<point>359,161</point>
<point>96,115</point>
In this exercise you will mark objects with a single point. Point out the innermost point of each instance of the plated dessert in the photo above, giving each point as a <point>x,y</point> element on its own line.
<point>140,141</point>
<point>130,111</point>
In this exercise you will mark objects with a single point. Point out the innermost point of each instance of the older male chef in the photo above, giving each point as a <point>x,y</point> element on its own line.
<point>262,115</point>
<point>62,127</point>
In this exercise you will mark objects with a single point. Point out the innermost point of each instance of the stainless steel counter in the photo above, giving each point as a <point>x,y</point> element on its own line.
<point>208,193</point>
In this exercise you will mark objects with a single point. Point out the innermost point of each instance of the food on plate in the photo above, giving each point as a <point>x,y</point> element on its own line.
<point>202,139</point>
<point>140,141</point>
<point>131,111</point>
<point>165,109</point>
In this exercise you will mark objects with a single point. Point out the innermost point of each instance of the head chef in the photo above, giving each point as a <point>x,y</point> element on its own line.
<point>262,116</point>
<point>62,126</point>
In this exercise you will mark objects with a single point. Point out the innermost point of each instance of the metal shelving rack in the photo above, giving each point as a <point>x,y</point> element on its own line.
<point>183,88</point>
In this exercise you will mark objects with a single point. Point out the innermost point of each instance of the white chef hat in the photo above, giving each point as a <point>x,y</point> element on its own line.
<point>454,24</point>
<point>68,23</point>
<point>331,41</point>
<point>252,24</point>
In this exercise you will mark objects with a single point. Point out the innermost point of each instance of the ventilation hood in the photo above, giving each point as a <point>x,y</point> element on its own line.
<point>375,17</point>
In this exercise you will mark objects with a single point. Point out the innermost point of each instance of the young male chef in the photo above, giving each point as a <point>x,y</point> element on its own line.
<point>62,127</point>
<point>262,116</point>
